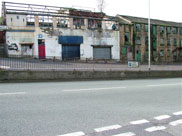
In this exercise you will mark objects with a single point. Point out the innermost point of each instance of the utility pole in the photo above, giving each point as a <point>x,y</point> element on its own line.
<point>149,39</point>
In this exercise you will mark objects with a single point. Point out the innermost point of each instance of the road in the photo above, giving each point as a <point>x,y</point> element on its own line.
<point>86,108</point>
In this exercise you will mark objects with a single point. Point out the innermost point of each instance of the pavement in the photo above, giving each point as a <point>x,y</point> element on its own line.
<point>150,107</point>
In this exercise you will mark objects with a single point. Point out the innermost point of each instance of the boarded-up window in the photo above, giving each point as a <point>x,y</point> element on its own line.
<point>181,53</point>
<point>162,41</point>
<point>146,28</point>
<point>175,42</point>
<point>154,43</point>
<point>123,50</point>
<point>138,40</point>
<point>138,27</point>
<point>154,30</point>
<point>168,30</point>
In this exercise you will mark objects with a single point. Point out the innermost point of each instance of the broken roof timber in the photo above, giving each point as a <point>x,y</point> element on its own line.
<point>153,21</point>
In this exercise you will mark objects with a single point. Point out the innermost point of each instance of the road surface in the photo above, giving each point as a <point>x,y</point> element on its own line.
<point>94,108</point>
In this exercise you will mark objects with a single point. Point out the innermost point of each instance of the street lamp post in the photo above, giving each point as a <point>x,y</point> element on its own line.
<point>149,39</point>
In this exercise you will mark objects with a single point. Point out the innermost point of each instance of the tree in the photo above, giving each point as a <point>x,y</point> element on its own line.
<point>101,5</point>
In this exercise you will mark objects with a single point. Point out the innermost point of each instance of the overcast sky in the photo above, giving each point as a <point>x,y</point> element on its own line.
<point>169,10</point>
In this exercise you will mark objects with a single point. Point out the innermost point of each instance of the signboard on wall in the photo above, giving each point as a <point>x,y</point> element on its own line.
<point>133,64</point>
<point>40,36</point>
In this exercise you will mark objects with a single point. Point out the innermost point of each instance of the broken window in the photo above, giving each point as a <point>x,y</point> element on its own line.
<point>77,23</point>
<point>154,30</point>
<point>168,42</point>
<point>30,20</point>
<point>92,24</point>
<point>138,27</point>
<point>175,30</point>
<point>161,53</point>
<point>168,53</point>
<point>63,22</point>
<point>161,29</point>
<point>162,41</point>
<point>175,42</point>
<point>146,40</point>
<point>126,38</point>
<point>138,40</point>
<point>146,28</point>
<point>45,21</point>
<point>168,30</point>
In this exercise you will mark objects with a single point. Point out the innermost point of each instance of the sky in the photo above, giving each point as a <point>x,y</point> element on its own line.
<point>169,10</point>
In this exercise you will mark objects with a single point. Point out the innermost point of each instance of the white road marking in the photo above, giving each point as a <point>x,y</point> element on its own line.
<point>175,123</point>
<point>143,121</point>
<point>107,128</point>
<point>126,134</point>
<point>15,93</point>
<point>178,113</point>
<point>158,85</point>
<point>162,117</point>
<point>74,134</point>
<point>90,89</point>
<point>155,128</point>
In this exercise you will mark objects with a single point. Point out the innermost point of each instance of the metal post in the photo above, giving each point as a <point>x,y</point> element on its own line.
<point>149,38</point>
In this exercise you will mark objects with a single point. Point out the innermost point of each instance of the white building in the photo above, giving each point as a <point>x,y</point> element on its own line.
<point>54,32</point>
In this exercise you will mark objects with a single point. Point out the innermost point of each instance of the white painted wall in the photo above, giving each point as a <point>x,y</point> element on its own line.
<point>21,22</point>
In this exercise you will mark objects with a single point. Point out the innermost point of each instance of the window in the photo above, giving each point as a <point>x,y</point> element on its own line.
<point>30,20</point>
<point>168,53</point>
<point>180,53</point>
<point>78,23</point>
<point>94,24</point>
<point>17,17</point>
<point>23,20</point>
<point>154,43</point>
<point>123,51</point>
<point>45,21</point>
<point>175,42</point>
<point>180,31</point>
<point>146,53</point>
<point>146,40</point>
<point>168,42</point>
<point>154,53</point>
<point>175,53</point>
<point>161,29</point>
<point>162,41</point>
<point>138,40</point>
<point>127,38</point>
<point>138,27</point>
<point>154,30</point>
<point>181,43</point>
<point>175,30</point>
<point>168,30</point>
<point>63,22</point>
<point>11,19</point>
<point>161,53</point>
<point>146,28</point>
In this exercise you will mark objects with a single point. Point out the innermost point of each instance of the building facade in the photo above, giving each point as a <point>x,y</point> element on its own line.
<point>61,33</point>
<point>166,40</point>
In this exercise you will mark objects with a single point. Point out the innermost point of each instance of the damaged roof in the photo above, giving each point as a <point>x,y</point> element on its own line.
<point>145,21</point>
